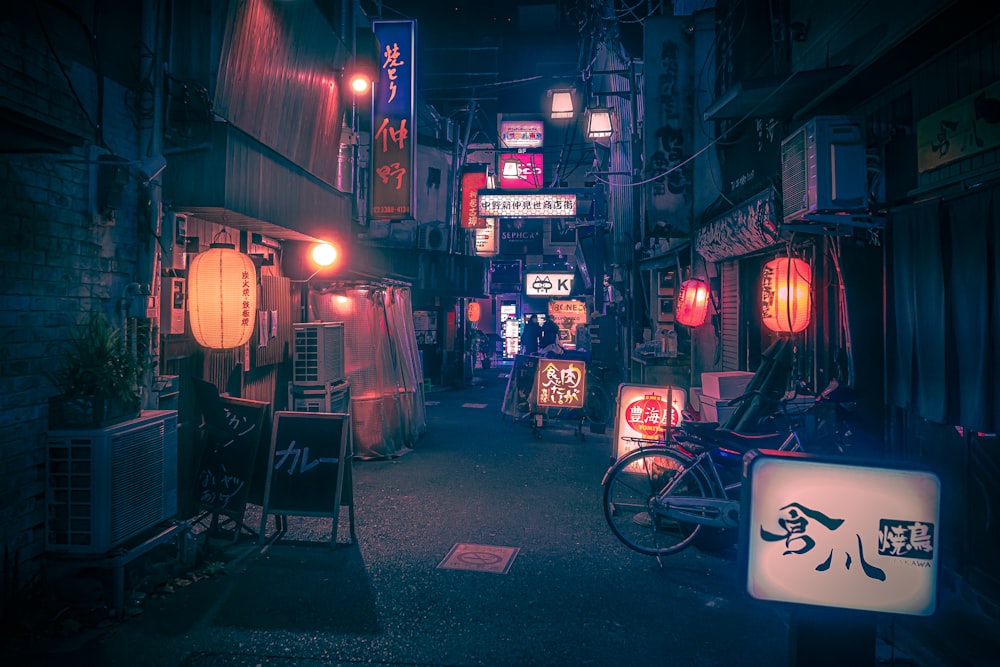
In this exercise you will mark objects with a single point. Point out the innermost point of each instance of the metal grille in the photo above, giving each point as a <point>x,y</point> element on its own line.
<point>106,486</point>
<point>730,308</point>
<point>319,353</point>
<point>794,181</point>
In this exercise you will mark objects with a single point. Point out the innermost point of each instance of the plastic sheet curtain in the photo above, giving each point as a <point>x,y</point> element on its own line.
<point>403,339</point>
<point>380,362</point>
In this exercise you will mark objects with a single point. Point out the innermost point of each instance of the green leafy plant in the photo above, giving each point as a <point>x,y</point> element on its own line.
<point>98,363</point>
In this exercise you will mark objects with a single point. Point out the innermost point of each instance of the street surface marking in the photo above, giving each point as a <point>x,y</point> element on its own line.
<point>473,405</point>
<point>480,558</point>
<point>432,402</point>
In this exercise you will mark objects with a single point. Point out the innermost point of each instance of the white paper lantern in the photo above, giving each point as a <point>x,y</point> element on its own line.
<point>222,297</point>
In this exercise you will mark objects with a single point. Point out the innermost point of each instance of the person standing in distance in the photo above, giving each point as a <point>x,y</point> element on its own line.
<point>530,335</point>
<point>550,333</point>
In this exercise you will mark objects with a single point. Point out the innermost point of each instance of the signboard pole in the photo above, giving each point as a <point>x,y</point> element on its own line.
<point>831,637</point>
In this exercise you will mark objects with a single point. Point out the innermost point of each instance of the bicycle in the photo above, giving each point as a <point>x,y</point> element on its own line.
<point>661,496</point>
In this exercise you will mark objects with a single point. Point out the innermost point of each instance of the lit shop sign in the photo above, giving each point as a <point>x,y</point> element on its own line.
<point>521,170</point>
<point>560,383</point>
<point>521,133</point>
<point>548,284</point>
<point>825,532</point>
<point>644,412</point>
<point>393,131</point>
<point>511,204</point>
<point>569,314</point>
<point>473,180</point>
<point>487,241</point>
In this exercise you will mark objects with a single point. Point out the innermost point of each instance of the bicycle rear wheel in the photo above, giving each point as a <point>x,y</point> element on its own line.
<point>629,488</point>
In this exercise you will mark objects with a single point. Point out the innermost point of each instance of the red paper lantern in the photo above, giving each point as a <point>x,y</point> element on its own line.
<point>222,297</point>
<point>785,299</point>
<point>692,303</point>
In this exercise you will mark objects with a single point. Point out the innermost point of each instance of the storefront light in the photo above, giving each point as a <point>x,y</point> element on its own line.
<point>562,104</point>
<point>692,303</point>
<point>222,297</point>
<point>786,303</point>
<point>599,123</point>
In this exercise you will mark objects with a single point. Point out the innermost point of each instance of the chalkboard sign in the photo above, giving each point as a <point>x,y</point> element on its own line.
<point>232,438</point>
<point>305,472</point>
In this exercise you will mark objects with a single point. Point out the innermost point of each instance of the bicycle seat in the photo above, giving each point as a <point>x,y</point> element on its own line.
<point>711,435</point>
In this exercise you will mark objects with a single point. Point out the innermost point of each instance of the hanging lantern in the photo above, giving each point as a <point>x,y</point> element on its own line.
<point>473,311</point>
<point>785,298</point>
<point>222,297</point>
<point>692,303</point>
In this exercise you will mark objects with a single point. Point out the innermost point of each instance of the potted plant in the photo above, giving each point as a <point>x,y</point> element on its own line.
<point>99,379</point>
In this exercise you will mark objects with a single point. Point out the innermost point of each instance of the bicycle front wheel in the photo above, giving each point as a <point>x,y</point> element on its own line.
<point>630,490</point>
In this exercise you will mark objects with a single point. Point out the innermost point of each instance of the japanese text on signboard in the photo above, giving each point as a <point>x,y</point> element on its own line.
<point>392,122</point>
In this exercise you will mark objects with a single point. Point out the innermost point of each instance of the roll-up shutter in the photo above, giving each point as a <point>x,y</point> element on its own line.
<point>730,307</point>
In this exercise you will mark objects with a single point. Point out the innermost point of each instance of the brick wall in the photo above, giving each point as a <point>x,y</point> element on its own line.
<point>58,261</point>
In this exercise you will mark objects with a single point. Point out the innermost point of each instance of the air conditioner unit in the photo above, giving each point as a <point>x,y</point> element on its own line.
<point>105,486</point>
<point>433,236</point>
<point>823,168</point>
<point>318,355</point>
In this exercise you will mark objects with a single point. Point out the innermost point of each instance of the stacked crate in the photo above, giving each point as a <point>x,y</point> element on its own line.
<point>718,393</point>
<point>319,383</point>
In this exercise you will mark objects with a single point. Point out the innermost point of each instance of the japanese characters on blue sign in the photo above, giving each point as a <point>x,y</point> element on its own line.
<point>393,131</point>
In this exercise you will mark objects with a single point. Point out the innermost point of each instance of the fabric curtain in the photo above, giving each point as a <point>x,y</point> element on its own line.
<point>917,342</point>
<point>972,225</point>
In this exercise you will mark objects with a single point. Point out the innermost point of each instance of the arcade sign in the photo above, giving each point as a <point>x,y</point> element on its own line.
<point>516,204</point>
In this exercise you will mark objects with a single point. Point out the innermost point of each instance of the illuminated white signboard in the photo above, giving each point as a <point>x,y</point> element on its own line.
<point>498,204</point>
<point>834,534</point>
<point>643,414</point>
<point>548,283</point>
<point>487,242</point>
<point>521,133</point>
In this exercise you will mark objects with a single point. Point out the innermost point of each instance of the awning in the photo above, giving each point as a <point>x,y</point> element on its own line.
<point>236,181</point>
<point>774,97</point>
<point>745,228</point>
<point>667,258</point>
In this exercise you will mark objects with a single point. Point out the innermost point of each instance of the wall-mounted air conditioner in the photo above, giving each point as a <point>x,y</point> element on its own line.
<point>105,486</point>
<point>823,168</point>
<point>318,353</point>
<point>433,236</point>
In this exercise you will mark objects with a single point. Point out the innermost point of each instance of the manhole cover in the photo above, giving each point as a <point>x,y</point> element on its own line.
<point>479,557</point>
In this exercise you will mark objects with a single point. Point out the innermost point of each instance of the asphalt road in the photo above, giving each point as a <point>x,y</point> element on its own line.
<point>533,575</point>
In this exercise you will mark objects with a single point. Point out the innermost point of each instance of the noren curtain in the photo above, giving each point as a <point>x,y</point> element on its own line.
<point>944,316</point>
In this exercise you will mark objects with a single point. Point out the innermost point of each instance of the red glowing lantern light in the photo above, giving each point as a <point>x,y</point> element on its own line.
<point>785,298</point>
<point>692,303</point>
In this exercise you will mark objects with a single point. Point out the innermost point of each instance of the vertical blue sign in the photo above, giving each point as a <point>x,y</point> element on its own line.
<point>393,121</point>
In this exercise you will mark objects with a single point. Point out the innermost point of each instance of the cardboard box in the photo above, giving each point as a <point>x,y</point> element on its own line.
<point>716,409</point>
<point>725,384</point>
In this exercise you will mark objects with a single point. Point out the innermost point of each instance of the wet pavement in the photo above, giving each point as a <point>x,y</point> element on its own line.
<point>532,576</point>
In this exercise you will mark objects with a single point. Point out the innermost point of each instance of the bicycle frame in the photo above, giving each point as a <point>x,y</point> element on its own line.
<point>720,511</point>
